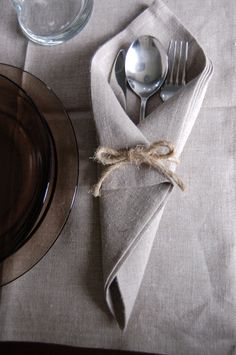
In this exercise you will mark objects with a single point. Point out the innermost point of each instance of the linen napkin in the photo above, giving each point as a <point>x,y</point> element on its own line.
<point>133,199</point>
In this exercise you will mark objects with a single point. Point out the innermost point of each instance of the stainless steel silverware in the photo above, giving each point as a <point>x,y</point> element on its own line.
<point>118,75</point>
<point>177,59</point>
<point>146,66</point>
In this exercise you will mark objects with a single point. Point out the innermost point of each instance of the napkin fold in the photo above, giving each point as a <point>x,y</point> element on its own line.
<point>133,199</point>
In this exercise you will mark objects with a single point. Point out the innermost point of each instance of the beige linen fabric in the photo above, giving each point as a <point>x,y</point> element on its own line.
<point>132,200</point>
<point>186,302</point>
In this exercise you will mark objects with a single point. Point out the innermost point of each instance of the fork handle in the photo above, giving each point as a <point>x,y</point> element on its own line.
<point>142,109</point>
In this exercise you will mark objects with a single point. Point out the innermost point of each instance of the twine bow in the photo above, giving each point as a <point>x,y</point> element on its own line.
<point>156,155</point>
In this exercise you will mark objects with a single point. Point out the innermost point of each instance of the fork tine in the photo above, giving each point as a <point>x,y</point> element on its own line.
<point>184,63</point>
<point>171,56</point>
<point>180,50</point>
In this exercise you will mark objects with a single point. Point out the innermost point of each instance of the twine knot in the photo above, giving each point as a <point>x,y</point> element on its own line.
<point>155,155</point>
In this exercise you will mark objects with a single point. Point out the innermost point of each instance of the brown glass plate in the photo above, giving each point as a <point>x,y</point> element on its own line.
<point>60,167</point>
<point>27,166</point>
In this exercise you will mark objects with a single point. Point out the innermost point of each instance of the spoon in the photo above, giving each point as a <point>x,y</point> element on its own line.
<point>146,66</point>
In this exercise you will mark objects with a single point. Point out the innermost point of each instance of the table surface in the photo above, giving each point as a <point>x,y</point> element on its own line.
<point>61,299</point>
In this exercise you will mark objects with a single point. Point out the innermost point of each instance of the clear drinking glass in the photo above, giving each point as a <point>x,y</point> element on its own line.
<point>50,22</point>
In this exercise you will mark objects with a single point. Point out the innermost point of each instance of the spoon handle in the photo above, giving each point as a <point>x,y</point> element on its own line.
<point>142,109</point>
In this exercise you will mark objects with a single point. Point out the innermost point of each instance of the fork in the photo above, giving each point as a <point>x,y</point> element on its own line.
<point>177,59</point>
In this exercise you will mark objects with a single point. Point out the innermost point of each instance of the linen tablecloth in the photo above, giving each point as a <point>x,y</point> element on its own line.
<point>187,301</point>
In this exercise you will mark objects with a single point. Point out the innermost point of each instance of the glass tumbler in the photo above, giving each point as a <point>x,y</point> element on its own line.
<point>51,22</point>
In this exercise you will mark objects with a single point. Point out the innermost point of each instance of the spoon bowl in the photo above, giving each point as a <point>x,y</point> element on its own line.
<point>146,67</point>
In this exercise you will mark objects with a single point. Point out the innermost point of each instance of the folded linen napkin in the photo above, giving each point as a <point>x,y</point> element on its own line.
<point>133,199</point>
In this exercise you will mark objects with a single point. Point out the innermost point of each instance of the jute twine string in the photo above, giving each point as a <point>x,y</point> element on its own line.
<point>155,155</point>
